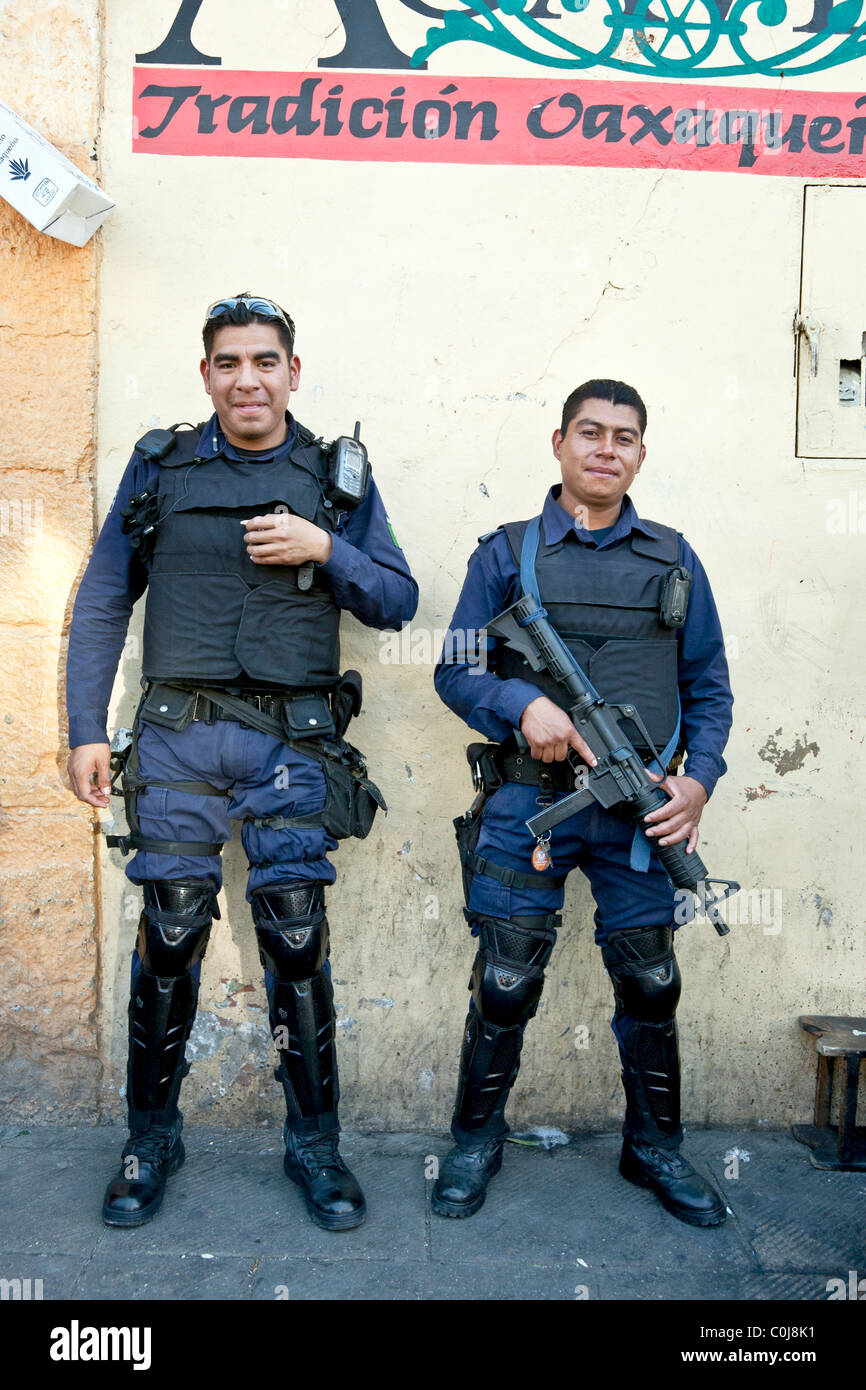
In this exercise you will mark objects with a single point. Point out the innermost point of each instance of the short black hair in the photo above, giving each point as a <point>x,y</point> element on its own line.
<point>603,389</point>
<point>242,313</point>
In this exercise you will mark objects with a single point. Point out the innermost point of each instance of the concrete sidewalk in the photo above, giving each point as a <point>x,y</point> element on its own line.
<point>558,1225</point>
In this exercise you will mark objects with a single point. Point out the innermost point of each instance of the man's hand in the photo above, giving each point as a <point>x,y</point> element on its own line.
<point>679,819</point>
<point>282,539</point>
<point>89,773</point>
<point>550,733</point>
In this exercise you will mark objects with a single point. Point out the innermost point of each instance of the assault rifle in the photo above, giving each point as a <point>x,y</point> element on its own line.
<point>619,777</point>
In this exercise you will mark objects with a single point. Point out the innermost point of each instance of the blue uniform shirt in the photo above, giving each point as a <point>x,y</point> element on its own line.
<point>367,572</point>
<point>494,706</point>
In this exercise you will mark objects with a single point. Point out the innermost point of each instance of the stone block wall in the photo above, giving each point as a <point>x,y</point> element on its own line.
<point>49,928</point>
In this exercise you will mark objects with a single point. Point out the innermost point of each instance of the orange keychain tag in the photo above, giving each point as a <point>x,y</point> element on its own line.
<point>541,856</point>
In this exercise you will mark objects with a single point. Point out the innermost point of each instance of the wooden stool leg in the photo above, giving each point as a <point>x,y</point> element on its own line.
<point>848,1110</point>
<point>823,1091</point>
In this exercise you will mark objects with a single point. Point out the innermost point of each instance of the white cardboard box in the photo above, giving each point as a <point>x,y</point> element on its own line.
<point>45,187</point>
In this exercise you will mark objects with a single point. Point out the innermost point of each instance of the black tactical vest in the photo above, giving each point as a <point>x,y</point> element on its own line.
<point>211,613</point>
<point>605,606</point>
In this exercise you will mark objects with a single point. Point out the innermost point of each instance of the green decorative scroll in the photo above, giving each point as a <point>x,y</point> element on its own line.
<point>675,38</point>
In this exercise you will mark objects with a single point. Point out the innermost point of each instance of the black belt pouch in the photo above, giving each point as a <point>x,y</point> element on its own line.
<point>169,707</point>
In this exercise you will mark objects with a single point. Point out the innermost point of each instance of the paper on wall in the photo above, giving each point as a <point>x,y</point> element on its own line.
<point>45,187</point>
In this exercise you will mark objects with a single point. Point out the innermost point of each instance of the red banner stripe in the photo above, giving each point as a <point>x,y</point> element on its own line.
<point>416,118</point>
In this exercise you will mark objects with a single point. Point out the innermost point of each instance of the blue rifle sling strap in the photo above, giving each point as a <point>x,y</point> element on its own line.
<point>528,578</point>
<point>639,857</point>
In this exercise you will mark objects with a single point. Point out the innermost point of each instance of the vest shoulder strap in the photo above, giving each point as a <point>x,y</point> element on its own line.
<point>515,531</point>
<point>170,448</point>
<point>665,549</point>
<point>305,435</point>
<point>175,447</point>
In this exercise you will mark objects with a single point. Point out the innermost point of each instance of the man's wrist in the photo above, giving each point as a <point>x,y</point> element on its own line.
<point>342,557</point>
<point>86,732</point>
<point>515,698</point>
<point>703,781</point>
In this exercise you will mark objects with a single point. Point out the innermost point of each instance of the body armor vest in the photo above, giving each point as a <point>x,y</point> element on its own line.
<point>211,613</point>
<point>605,605</point>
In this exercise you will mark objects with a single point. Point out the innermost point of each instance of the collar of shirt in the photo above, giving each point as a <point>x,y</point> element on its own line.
<point>213,443</point>
<point>558,523</point>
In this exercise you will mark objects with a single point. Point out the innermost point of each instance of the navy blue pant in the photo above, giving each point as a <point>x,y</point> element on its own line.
<point>262,776</point>
<point>594,841</point>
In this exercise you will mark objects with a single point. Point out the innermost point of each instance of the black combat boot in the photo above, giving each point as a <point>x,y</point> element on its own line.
<point>149,1158</point>
<point>334,1198</point>
<point>646,982</point>
<point>681,1190</point>
<point>461,1186</point>
<point>173,934</point>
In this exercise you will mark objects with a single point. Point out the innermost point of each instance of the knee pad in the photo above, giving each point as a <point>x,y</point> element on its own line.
<point>644,972</point>
<point>292,929</point>
<point>175,925</point>
<point>508,973</point>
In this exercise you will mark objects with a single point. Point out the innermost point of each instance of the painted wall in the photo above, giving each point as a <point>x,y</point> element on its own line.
<point>452,307</point>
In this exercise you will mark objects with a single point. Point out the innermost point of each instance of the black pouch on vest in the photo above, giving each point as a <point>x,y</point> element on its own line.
<point>169,707</point>
<point>308,716</point>
<point>352,799</point>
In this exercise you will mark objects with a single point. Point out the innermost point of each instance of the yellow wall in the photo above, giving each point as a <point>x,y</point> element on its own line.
<point>451,309</point>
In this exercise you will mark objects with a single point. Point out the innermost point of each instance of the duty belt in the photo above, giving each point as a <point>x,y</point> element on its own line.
<point>519,767</point>
<point>205,711</point>
<point>495,763</point>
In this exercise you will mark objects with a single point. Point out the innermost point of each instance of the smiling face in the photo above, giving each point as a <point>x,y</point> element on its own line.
<point>249,379</point>
<point>600,455</point>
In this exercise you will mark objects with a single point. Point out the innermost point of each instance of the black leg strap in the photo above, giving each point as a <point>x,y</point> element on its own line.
<point>132,785</point>
<point>511,878</point>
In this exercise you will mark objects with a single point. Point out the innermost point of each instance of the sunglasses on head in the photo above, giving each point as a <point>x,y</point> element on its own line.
<point>255,306</point>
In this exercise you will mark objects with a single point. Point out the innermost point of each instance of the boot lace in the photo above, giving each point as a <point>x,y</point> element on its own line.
<point>319,1154</point>
<point>670,1161</point>
<point>473,1159</point>
<point>150,1145</point>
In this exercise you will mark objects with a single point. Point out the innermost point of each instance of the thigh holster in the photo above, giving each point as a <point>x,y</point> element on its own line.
<point>646,984</point>
<point>172,937</point>
<point>292,931</point>
<point>506,983</point>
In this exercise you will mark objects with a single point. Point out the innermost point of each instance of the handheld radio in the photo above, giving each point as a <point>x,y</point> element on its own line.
<point>349,472</point>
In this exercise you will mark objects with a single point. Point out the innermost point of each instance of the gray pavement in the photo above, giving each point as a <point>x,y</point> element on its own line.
<point>558,1224</point>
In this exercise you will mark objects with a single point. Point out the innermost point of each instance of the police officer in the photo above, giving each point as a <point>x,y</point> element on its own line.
<point>601,572</point>
<point>250,540</point>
